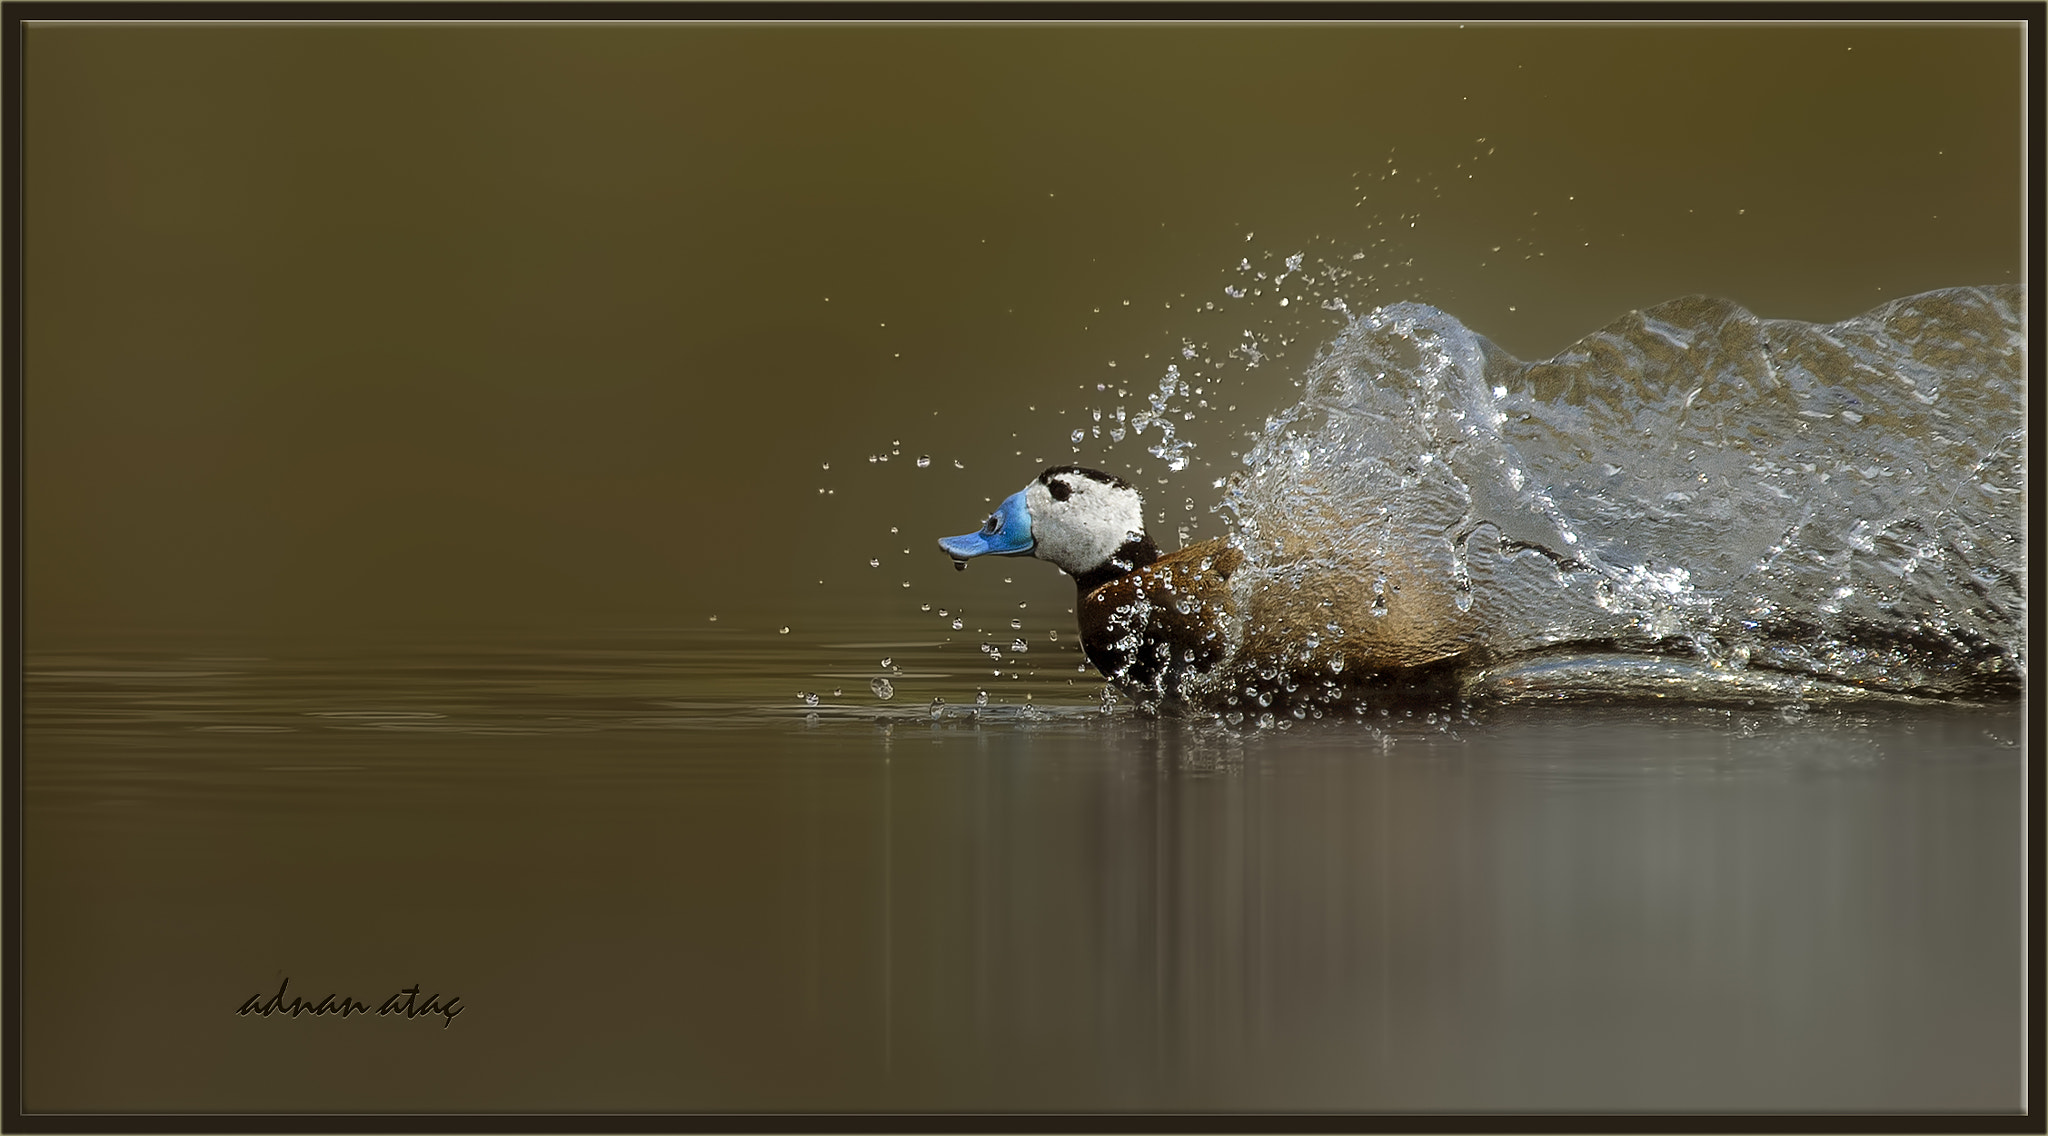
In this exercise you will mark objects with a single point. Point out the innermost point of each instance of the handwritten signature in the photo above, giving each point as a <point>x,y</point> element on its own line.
<point>411,1007</point>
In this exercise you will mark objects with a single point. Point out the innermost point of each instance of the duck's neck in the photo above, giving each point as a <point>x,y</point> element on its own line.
<point>1131,556</point>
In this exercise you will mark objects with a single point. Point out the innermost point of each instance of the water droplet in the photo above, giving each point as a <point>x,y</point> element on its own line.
<point>957,625</point>
<point>924,607</point>
<point>981,698</point>
<point>809,697</point>
<point>1018,647</point>
<point>784,631</point>
<point>874,562</point>
<point>883,688</point>
<point>1016,625</point>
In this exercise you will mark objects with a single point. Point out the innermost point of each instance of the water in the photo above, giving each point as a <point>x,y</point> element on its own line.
<point>658,879</point>
<point>859,860</point>
<point>1792,510</point>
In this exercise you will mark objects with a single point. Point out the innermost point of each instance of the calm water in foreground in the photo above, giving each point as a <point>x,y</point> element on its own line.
<point>658,880</point>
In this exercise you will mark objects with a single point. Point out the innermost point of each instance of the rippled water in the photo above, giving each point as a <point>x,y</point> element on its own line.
<point>1786,510</point>
<point>659,876</point>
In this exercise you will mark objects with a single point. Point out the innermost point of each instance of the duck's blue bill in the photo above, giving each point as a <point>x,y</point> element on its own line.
<point>1007,533</point>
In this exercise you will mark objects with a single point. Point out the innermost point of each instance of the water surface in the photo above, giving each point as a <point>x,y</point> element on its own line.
<point>659,879</point>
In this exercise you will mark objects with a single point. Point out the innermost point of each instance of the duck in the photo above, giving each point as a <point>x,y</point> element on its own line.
<point>1151,622</point>
<point>1174,628</point>
<point>1204,629</point>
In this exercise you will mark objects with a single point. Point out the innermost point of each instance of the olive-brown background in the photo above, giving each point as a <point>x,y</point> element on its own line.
<point>336,326</point>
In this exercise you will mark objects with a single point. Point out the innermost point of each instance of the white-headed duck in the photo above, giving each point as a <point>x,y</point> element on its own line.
<point>1152,622</point>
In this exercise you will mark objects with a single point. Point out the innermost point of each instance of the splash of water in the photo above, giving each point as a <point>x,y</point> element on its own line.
<point>1835,505</point>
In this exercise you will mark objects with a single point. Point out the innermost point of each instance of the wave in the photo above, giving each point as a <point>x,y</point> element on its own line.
<point>1809,506</point>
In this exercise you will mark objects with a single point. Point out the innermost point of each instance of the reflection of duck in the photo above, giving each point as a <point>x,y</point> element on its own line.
<point>1152,621</point>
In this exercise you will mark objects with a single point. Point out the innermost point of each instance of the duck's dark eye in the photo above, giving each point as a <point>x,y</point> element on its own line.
<point>994,524</point>
<point>1059,489</point>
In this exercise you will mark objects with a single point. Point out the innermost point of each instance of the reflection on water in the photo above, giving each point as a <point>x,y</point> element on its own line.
<point>660,879</point>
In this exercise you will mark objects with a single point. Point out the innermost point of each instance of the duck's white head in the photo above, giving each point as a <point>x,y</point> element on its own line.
<point>1083,520</point>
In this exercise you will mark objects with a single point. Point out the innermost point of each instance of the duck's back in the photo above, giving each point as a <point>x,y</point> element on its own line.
<point>1386,622</point>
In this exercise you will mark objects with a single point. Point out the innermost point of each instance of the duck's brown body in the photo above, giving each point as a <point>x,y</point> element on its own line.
<point>1153,627</point>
